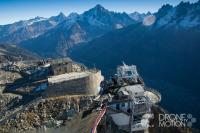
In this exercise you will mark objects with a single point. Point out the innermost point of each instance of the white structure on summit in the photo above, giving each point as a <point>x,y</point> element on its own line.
<point>126,71</point>
<point>130,107</point>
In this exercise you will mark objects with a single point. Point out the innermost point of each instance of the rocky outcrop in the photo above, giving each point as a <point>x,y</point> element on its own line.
<point>48,113</point>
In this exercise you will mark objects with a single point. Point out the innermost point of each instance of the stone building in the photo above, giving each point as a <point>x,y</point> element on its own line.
<point>75,83</point>
<point>66,67</point>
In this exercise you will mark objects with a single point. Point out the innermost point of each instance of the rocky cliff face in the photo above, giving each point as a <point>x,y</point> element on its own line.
<point>14,53</point>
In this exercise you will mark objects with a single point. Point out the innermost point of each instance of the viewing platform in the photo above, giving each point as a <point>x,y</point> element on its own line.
<point>154,96</point>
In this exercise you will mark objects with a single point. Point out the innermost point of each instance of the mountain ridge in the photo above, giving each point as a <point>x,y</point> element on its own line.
<point>26,29</point>
<point>76,29</point>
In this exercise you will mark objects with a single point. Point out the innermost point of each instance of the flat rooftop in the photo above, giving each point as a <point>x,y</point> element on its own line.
<point>68,76</point>
<point>121,119</point>
<point>132,89</point>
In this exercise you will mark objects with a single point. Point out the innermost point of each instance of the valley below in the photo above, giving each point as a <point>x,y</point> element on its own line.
<point>175,98</point>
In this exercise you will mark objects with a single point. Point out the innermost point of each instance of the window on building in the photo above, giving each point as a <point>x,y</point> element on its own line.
<point>117,106</point>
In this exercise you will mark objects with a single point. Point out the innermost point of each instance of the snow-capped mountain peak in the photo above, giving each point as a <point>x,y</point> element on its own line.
<point>36,19</point>
<point>100,16</point>
<point>138,16</point>
<point>184,15</point>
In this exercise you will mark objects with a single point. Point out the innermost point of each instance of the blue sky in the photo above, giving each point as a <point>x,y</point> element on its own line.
<point>15,10</point>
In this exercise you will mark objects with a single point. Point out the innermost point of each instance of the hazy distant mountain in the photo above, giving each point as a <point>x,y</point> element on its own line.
<point>76,29</point>
<point>138,16</point>
<point>15,53</point>
<point>23,30</point>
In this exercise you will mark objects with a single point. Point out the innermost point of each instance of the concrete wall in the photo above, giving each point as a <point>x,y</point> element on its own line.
<point>86,85</point>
